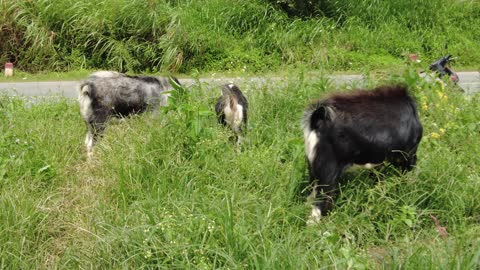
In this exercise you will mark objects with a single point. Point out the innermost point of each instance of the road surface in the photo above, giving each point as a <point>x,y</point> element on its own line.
<point>469,81</point>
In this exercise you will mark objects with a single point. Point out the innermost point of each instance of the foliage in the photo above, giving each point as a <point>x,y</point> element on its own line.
<point>220,35</point>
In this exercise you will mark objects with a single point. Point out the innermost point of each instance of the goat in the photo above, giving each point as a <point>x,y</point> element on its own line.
<point>231,109</point>
<point>363,127</point>
<point>106,94</point>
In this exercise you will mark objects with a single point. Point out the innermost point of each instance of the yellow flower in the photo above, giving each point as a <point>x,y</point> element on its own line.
<point>442,84</point>
<point>442,96</point>
<point>424,106</point>
<point>435,135</point>
<point>442,131</point>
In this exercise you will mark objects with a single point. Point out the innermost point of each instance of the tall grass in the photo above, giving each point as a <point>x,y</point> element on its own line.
<point>251,36</point>
<point>170,190</point>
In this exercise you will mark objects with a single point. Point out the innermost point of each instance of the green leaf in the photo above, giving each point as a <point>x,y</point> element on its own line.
<point>43,169</point>
<point>409,222</point>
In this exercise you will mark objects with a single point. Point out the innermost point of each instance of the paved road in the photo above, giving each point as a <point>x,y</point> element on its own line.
<point>469,81</point>
<point>68,88</point>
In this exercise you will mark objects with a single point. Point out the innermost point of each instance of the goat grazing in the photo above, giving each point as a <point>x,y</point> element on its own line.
<point>231,109</point>
<point>106,94</point>
<point>364,128</point>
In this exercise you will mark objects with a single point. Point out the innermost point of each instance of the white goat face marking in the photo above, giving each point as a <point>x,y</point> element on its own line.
<point>105,74</point>
<point>315,216</point>
<point>311,140</point>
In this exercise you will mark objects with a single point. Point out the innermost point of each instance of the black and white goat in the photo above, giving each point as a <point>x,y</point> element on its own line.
<point>364,127</point>
<point>231,109</point>
<point>106,94</point>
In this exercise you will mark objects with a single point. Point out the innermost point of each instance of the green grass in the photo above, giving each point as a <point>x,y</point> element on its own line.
<point>171,191</point>
<point>220,35</point>
<point>21,76</point>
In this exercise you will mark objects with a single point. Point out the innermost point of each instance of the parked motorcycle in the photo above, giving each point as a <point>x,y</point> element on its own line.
<point>442,68</point>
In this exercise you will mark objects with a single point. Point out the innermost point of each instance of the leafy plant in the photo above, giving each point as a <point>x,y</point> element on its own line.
<point>195,114</point>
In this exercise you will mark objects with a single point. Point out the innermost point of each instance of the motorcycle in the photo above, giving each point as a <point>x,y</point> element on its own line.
<point>442,68</point>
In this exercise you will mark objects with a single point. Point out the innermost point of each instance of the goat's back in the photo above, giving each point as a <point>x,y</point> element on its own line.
<point>373,122</point>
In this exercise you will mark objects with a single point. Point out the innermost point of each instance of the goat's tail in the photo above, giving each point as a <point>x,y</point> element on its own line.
<point>85,100</point>
<point>84,89</point>
<point>316,114</point>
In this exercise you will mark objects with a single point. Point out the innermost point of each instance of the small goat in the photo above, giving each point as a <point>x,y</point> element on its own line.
<point>231,109</point>
<point>106,94</point>
<point>362,127</point>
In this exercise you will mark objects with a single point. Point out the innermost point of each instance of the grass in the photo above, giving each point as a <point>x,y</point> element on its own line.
<point>21,76</point>
<point>188,36</point>
<point>170,190</point>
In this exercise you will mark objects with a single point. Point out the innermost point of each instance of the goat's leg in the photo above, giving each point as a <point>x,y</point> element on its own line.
<point>324,173</point>
<point>94,130</point>
<point>89,139</point>
<point>89,143</point>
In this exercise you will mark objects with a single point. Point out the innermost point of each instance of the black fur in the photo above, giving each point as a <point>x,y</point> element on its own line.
<point>359,128</point>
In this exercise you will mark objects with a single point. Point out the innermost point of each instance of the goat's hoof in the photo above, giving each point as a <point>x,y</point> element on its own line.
<point>315,216</point>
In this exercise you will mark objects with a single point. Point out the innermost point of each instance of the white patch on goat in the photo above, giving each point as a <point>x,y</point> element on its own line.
<point>315,216</point>
<point>311,141</point>
<point>331,112</point>
<point>367,166</point>
<point>164,99</point>
<point>234,115</point>
<point>371,165</point>
<point>105,74</point>
<point>89,144</point>
<point>88,138</point>
<point>85,102</point>
<point>239,140</point>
